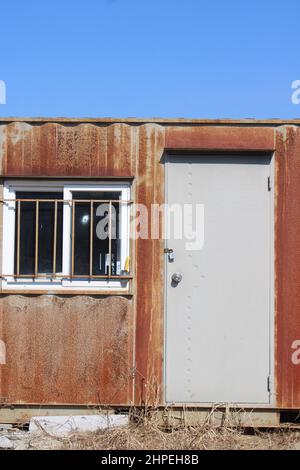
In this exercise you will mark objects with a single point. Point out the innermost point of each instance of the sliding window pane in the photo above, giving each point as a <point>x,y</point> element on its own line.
<point>45,232</point>
<point>100,261</point>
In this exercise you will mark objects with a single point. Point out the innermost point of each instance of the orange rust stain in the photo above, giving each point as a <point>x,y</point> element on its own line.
<point>287,266</point>
<point>220,138</point>
<point>80,350</point>
<point>66,350</point>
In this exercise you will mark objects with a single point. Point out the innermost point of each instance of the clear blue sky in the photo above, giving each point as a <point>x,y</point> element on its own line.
<point>120,58</point>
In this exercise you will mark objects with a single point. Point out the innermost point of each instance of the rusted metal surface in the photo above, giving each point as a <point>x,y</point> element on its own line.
<point>57,150</point>
<point>288,266</point>
<point>149,273</point>
<point>220,138</point>
<point>74,350</point>
<point>154,120</point>
<point>109,349</point>
<point>113,367</point>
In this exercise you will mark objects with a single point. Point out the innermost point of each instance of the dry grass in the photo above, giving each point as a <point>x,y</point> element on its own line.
<point>146,433</point>
<point>143,437</point>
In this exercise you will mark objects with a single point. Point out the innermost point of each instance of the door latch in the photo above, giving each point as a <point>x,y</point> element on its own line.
<point>170,253</point>
<point>176,278</point>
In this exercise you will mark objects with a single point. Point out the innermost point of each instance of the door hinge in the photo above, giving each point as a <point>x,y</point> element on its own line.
<point>269,183</point>
<point>269,384</point>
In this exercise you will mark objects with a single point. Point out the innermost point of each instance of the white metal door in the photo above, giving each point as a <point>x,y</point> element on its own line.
<point>218,315</point>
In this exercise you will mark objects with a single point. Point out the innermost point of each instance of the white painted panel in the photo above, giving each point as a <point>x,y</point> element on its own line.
<point>218,316</point>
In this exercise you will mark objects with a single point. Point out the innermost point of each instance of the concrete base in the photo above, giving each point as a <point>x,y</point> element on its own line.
<point>22,414</point>
<point>62,425</point>
<point>221,417</point>
<point>169,417</point>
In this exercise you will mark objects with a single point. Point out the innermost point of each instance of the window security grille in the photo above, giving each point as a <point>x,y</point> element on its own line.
<point>39,225</point>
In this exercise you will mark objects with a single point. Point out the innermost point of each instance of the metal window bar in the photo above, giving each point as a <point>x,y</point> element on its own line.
<point>36,251</point>
<point>73,238</point>
<point>69,201</point>
<point>54,239</point>
<point>54,274</point>
<point>91,237</point>
<point>109,241</point>
<point>18,236</point>
<point>58,276</point>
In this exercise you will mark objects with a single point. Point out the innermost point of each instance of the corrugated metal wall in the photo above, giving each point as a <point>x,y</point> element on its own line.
<point>287,267</point>
<point>82,349</point>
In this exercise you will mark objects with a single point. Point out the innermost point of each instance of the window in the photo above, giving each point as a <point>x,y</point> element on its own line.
<point>62,234</point>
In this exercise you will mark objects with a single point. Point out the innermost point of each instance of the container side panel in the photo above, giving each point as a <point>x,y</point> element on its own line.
<point>82,150</point>
<point>288,267</point>
<point>63,350</point>
<point>149,270</point>
<point>220,138</point>
<point>84,349</point>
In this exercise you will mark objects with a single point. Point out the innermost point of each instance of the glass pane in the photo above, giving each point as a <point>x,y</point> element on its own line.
<point>45,233</point>
<point>100,260</point>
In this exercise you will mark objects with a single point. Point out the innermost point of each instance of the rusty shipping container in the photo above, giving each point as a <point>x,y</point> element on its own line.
<point>82,347</point>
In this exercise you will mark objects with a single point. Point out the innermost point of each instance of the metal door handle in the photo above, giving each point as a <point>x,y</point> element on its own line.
<point>176,277</point>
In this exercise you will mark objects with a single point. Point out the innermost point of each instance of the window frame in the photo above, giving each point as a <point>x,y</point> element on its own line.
<point>11,187</point>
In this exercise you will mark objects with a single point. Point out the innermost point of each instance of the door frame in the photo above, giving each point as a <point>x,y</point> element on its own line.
<point>272,385</point>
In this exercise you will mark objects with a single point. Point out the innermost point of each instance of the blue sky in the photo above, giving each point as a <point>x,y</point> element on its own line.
<point>164,58</point>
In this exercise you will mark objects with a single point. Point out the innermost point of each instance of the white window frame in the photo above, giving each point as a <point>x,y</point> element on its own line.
<point>11,187</point>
